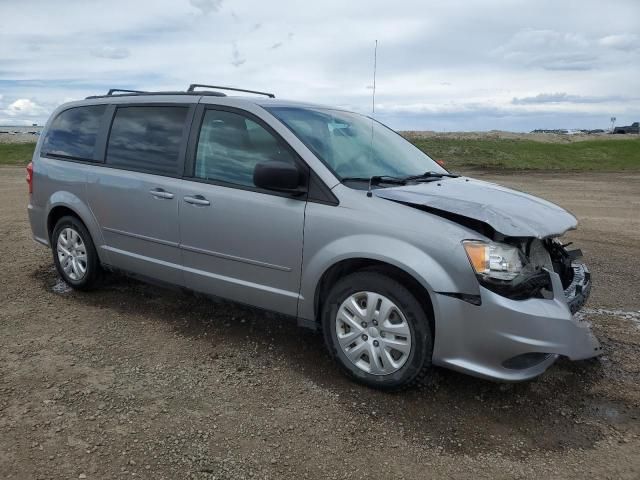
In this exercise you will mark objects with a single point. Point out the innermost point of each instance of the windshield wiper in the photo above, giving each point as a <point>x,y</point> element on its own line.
<point>429,175</point>
<point>376,179</point>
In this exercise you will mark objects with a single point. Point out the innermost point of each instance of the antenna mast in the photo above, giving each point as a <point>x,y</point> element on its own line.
<point>375,61</point>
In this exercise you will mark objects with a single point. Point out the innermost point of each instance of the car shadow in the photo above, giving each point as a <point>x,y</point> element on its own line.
<point>453,413</point>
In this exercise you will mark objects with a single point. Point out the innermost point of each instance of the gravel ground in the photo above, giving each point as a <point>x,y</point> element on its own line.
<point>135,381</point>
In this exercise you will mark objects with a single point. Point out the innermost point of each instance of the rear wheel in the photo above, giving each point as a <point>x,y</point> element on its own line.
<point>74,254</point>
<point>377,331</point>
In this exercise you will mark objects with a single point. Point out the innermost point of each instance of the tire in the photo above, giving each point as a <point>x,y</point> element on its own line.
<point>73,274</point>
<point>373,285</point>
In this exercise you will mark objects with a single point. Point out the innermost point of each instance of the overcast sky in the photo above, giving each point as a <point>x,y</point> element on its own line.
<point>442,65</point>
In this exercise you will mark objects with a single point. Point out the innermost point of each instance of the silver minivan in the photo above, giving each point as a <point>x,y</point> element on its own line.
<point>317,213</point>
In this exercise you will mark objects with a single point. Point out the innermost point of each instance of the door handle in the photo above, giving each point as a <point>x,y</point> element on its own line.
<point>197,200</point>
<point>160,193</point>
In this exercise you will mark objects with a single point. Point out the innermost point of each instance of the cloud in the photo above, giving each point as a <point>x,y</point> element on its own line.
<point>573,64</point>
<point>626,42</point>
<point>23,107</point>
<point>236,58</point>
<point>566,62</point>
<point>562,97</point>
<point>548,49</point>
<point>276,45</point>
<point>207,6</point>
<point>114,53</point>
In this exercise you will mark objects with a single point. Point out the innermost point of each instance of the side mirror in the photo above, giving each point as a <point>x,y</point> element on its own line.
<point>278,176</point>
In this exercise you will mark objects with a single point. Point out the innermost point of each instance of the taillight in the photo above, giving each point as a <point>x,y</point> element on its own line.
<point>30,176</point>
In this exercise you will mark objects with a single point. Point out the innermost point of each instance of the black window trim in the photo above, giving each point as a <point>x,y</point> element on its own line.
<point>72,158</point>
<point>186,128</point>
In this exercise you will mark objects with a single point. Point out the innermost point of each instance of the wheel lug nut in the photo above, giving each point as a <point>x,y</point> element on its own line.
<point>365,337</point>
<point>375,343</point>
<point>382,334</point>
<point>364,324</point>
<point>375,322</point>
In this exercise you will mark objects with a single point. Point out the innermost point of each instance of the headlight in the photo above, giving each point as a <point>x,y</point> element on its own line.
<point>494,260</point>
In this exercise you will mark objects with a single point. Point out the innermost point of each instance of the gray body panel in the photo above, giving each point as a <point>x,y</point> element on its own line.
<point>271,251</point>
<point>245,246</point>
<point>140,230</point>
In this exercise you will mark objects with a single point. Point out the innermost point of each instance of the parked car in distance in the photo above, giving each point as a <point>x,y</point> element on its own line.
<point>633,128</point>
<point>317,213</point>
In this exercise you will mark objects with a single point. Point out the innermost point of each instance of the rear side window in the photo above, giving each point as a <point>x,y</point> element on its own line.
<point>147,139</point>
<point>230,145</point>
<point>73,133</point>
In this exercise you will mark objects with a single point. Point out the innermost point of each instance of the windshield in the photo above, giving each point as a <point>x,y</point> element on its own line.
<point>354,146</point>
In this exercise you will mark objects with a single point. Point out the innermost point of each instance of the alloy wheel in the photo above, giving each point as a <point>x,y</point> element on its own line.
<point>72,254</point>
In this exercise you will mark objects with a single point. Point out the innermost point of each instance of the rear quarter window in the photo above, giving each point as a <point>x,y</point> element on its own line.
<point>147,139</point>
<point>73,133</point>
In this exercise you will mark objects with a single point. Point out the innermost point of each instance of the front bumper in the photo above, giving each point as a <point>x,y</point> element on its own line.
<point>514,340</point>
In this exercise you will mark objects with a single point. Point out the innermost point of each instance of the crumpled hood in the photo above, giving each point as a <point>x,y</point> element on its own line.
<point>512,213</point>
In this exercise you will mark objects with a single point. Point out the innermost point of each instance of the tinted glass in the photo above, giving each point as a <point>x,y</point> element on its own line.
<point>147,139</point>
<point>230,145</point>
<point>73,133</point>
<point>353,145</point>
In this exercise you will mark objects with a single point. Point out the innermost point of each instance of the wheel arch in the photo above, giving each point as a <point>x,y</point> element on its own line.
<point>357,264</point>
<point>55,214</point>
<point>65,203</point>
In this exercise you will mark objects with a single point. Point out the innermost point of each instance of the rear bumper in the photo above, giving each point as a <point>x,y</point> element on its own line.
<point>514,340</point>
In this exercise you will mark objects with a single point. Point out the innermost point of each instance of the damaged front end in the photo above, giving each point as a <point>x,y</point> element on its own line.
<point>524,249</point>
<point>530,284</point>
<point>524,318</point>
<point>531,276</point>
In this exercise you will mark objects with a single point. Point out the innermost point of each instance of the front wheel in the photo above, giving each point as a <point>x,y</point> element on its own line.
<point>377,331</point>
<point>74,254</point>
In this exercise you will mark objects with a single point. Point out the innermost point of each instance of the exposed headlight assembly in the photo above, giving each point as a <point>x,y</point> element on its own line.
<point>492,260</point>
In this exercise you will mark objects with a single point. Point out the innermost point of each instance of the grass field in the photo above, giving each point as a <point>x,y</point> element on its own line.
<point>16,153</point>
<point>495,154</point>
<point>603,155</point>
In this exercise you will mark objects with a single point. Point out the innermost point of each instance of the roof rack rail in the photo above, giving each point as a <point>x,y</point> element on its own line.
<point>137,93</point>
<point>113,90</point>
<point>193,87</point>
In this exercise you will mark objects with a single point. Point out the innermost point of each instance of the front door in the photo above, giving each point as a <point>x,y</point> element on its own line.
<point>238,241</point>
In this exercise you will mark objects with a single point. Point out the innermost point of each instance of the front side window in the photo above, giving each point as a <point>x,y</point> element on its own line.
<point>354,146</point>
<point>147,139</point>
<point>73,133</point>
<point>230,145</point>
